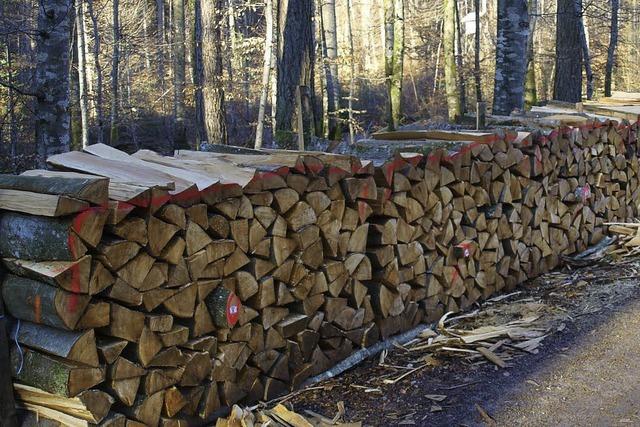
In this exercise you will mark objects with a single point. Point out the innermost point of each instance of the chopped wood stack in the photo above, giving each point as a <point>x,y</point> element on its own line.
<point>182,285</point>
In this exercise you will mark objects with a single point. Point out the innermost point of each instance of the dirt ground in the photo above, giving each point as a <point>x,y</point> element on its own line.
<point>586,371</point>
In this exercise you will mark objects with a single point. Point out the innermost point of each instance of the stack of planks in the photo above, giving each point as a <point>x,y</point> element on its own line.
<point>153,290</point>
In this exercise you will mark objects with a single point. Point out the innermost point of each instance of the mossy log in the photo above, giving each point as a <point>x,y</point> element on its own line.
<point>37,302</point>
<point>50,239</point>
<point>224,307</point>
<point>53,374</point>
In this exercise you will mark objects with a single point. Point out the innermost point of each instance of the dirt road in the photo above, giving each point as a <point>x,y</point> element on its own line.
<point>587,373</point>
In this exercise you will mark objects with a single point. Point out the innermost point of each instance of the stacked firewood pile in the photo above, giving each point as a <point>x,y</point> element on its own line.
<point>162,290</point>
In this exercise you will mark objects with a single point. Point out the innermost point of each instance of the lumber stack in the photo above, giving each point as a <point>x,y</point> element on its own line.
<point>156,290</point>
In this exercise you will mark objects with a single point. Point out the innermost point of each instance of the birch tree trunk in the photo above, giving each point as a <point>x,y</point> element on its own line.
<point>82,73</point>
<point>198,73</point>
<point>330,33</point>
<point>613,44</point>
<point>115,62</point>
<point>212,89</point>
<point>450,69</point>
<point>568,68</point>
<point>266,71</point>
<point>98,67</point>
<point>293,70</point>
<point>179,58</point>
<point>511,56</point>
<point>55,18</point>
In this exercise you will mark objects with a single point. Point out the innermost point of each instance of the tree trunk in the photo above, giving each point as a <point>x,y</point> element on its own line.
<point>55,18</point>
<point>568,69</point>
<point>330,33</point>
<point>198,73</point>
<point>212,90</point>
<point>476,62</point>
<point>74,97</point>
<point>530,92</point>
<point>82,72</point>
<point>462,89</point>
<point>180,137</point>
<point>160,42</point>
<point>352,77</point>
<point>511,56</point>
<point>98,67</point>
<point>611,51</point>
<point>586,57</point>
<point>450,69</point>
<point>11,107</point>
<point>294,68</point>
<point>115,62</point>
<point>394,58</point>
<point>266,71</point>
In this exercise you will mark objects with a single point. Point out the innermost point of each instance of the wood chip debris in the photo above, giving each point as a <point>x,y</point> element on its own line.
<point>281,416</point>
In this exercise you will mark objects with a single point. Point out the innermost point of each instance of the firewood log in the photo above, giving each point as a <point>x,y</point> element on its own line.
<point>52,374</point>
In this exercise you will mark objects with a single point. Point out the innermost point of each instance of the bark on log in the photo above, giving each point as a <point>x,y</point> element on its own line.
<point>75,346</point>
<point>48,239</point>
<point>52,374</point>
<point>38,302</point>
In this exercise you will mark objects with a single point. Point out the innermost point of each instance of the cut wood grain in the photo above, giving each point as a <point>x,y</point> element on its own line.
<point>39,204</point>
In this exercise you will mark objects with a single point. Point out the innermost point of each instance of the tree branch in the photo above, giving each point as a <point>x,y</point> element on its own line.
<point>19,90</point>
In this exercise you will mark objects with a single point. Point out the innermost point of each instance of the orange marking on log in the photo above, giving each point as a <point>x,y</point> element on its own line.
<point>300,165</point>
<point>37,312</point>
<point>282,171</point>
<point>362,211</point>
<point>432,159</point>
<point>364,190</point>
<point>190,195</point>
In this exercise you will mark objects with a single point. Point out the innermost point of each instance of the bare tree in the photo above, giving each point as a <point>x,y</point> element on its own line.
<point>476,56</point>
<point>352,75</point>
<point>530,92</point>
<point>55,18</point>
<point>613,44</point>
<point>511,56</point>
<point>212,86</point>
<point>330,36</point>
<point>82,72</point>
<point>568,69</point>
<point>293,72</point>
<point>586,56</point>
<point>179,59</point>
<point>198,73</point>
<point>160,42</point>
<point>394,58</point>
<point>266,71</point>
<point>115,63</point>
<point>450,68</point>
<point>462,87</point>
<point>98,69</point>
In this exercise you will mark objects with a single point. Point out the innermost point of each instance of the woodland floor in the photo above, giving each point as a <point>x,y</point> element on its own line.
<point>586,372</point>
